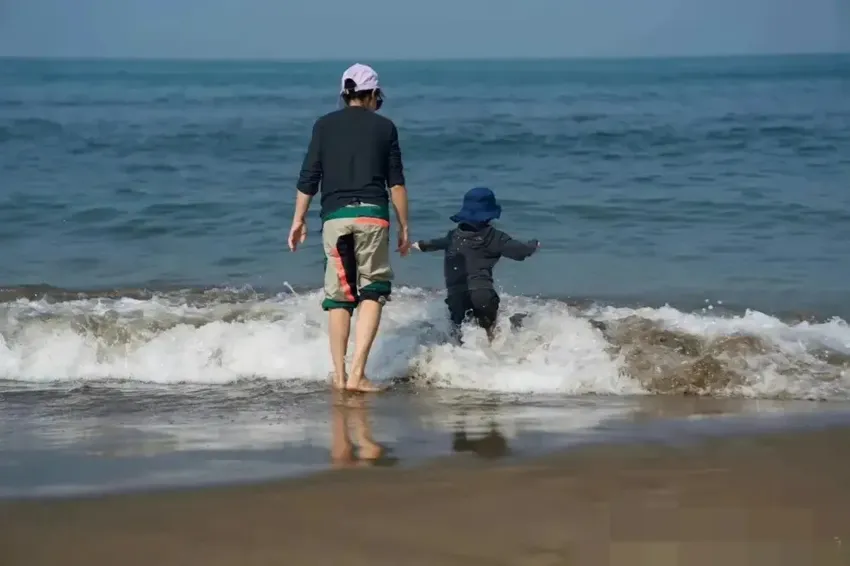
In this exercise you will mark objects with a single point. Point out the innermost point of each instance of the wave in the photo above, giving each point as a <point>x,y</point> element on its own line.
<point>221,336</point>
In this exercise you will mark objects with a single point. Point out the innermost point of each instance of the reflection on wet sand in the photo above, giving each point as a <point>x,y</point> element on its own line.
<point>655,407</point>
<point>353,443</point>
<point>350,414</point>
<point>491,445</point>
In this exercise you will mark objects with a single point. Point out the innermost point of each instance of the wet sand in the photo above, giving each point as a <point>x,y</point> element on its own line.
<point>770,499</point>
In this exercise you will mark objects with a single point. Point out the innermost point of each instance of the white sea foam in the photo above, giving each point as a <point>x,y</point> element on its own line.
<point>167,340</point>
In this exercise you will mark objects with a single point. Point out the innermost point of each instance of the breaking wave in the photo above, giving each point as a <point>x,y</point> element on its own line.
<point>219,336</point>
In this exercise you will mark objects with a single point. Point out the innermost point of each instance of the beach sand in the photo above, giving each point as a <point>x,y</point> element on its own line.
<point>772,499</point>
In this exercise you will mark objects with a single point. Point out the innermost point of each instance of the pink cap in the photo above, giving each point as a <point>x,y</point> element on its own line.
<point>363,76</point>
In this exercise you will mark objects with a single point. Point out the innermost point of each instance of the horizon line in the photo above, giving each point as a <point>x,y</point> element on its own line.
<point>239,59</point>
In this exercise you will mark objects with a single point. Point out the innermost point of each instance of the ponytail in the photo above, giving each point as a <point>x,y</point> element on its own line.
<point>348,90</point>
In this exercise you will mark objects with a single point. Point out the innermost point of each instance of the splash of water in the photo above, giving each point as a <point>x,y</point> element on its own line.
<point>221,337</point>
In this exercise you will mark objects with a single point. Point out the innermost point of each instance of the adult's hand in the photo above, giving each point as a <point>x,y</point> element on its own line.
<point>297,234</point>
<point>403,241</point>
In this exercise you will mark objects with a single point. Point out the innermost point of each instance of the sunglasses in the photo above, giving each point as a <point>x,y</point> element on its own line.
<point>379,99</point>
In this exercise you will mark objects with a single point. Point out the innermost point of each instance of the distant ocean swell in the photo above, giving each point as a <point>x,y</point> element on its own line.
<point>574,133</point>
<point>222,336</point>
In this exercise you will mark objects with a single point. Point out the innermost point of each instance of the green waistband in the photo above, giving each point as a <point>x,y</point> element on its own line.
<point>360,211</point>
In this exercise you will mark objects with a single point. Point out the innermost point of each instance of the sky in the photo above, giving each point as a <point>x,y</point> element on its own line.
<point>406,29</point>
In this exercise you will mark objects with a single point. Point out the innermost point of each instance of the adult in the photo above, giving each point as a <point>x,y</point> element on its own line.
<point>353,158</point>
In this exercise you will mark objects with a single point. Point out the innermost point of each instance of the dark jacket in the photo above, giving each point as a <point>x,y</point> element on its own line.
<point>471,254</point>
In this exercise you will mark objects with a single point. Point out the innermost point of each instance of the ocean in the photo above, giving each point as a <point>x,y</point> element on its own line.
<point>693,215</point>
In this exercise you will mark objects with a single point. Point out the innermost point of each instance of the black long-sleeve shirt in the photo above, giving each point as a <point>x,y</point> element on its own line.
<point>354,155</point>
<point>471,255</point>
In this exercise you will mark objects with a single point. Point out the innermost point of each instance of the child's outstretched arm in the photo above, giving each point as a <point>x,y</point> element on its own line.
<point>436,245</point>
<point>514,249</point>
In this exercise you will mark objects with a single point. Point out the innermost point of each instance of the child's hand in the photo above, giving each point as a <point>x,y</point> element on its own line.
<point>415,246</point>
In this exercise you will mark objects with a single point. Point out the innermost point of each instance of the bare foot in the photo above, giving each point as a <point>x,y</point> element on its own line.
<point>338,382</point>
<point>371,451</point>
<point>379,456</point>
<point>343,458</point>
<point>362,385</point>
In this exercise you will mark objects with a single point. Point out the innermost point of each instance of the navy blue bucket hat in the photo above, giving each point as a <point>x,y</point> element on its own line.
<point>479,207</point>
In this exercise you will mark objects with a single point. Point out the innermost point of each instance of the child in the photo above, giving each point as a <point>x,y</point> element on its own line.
<point>472,250</point>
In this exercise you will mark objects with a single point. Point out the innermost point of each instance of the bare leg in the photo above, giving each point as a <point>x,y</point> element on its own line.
<point>339,322</point>
<point>366,328</point>
<point>359,418</point>
<point>342,453</point>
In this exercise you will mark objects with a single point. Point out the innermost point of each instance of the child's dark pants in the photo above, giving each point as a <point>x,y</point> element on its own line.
<point>481,305</point>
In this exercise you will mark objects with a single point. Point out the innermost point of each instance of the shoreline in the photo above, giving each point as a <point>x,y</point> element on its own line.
<point>774,498</point>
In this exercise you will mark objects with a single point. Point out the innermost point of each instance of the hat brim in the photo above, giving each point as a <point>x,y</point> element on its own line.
<point>365,89</point>
<point>476,217</point>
